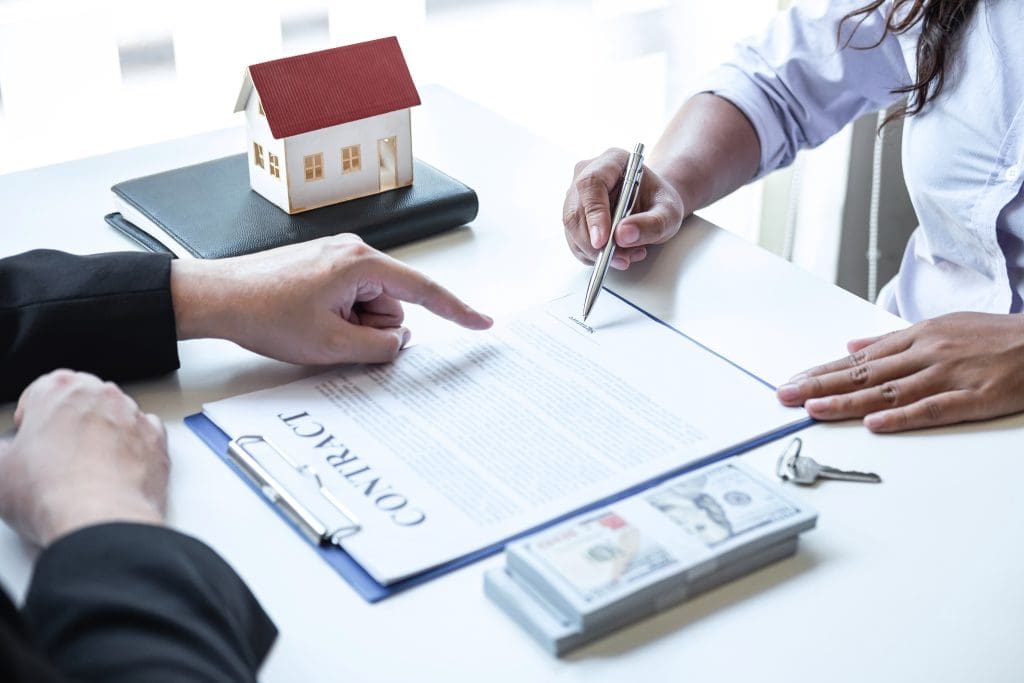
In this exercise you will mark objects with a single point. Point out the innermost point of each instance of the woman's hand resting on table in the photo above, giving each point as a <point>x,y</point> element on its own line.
<point>955,368</point>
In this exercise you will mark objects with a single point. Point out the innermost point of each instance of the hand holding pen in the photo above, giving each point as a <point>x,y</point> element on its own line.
<point>628,191</point>
<point>587,213</point>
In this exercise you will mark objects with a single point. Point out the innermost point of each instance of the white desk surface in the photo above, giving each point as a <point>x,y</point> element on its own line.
<point>918,578</point>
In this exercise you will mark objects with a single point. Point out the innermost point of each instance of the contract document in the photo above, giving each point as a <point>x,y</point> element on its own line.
<point>458,447</point>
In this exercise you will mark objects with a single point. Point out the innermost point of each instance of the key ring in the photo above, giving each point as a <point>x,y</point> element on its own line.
<point>805,471</point>
<point>785,467</point>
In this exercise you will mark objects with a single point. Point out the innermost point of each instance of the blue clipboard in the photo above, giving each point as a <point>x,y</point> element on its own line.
<point>373,591</point>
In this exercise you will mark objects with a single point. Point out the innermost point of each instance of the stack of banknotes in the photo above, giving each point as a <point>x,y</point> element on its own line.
<point>596,572</point>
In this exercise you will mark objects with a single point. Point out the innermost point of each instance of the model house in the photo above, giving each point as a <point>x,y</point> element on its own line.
<point>329,126</point>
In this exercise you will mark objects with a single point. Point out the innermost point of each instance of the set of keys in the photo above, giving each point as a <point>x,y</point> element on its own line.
<point>801,469</point>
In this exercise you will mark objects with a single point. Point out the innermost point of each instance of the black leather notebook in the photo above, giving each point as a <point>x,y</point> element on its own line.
<point>209,211</point>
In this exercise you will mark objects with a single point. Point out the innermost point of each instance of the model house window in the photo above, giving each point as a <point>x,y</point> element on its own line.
<point>257,154</point>
<point>314,165</point>
<point>275,169</point>
<point>259,103</point>
<point>350,159</point>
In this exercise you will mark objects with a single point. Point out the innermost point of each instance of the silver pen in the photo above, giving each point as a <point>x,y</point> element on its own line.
<point>627,197</point>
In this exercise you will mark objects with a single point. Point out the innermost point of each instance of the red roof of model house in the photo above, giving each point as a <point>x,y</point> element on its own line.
<point>330,87</point>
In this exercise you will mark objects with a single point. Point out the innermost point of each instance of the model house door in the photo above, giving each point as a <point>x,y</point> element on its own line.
<point>387,154</point>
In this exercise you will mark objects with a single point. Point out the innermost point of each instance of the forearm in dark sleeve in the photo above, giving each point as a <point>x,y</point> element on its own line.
<point>131,602</point>
<point>109,314</point>
<point>20,662</point>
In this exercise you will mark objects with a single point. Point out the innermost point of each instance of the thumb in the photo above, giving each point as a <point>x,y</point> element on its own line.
<point>364,344</point>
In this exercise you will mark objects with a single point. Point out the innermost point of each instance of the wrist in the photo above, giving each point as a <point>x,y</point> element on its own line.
<point>709,149</point>
<point>683,176</point>
<point>60,521</point>
<point>197,297</point>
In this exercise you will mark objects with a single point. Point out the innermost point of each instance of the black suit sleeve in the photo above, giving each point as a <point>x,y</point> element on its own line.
<point>19,661</point>
<point>108,314</point>
<point>130,602</point>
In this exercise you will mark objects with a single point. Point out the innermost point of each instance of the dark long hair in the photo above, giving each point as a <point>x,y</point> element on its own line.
<point>941,24</point>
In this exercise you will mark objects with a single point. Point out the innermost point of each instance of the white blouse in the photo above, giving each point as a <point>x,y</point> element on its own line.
<point>963,155</point>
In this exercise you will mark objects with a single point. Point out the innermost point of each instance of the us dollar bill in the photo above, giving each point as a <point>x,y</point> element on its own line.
<point>601,554</point>
<point>716,504</point>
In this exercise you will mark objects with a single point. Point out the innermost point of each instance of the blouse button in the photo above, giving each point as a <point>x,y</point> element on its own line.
<point>1012,172</point>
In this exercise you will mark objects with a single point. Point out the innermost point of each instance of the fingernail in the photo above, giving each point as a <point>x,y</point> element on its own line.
<point>619,263</point>
<point>874,421</point>
<point>796,379</point>
<point>406,336</point>
<point>595,237</point>
<point>818,405</point>
<point>628,234</point>
<point>470,311</point>
<point>789,392</point>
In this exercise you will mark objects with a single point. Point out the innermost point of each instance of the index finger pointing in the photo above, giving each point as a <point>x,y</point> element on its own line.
<point>402,282</point>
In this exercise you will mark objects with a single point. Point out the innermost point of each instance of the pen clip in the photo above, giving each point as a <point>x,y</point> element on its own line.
<point>631,178</point>
<point>634,189</point>
<point>630,185</point>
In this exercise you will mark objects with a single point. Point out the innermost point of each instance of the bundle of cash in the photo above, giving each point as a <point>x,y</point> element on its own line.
<point>596,572</point>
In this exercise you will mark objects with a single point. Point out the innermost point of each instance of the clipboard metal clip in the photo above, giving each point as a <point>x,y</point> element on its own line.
<point>324,520</point>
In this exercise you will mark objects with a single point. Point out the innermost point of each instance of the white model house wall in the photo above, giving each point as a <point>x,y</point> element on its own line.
<point>336,186</point>
<point>261,178</point>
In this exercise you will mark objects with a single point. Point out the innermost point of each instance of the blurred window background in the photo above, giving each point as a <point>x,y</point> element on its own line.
<point>85,77</point>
